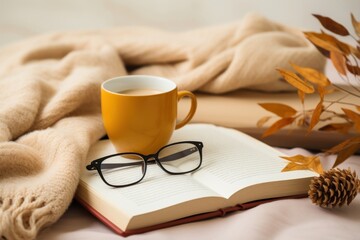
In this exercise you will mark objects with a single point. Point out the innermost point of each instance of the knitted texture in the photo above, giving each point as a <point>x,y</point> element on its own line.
<point>50,97</point>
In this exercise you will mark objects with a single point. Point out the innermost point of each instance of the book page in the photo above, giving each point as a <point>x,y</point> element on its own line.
<point>233,160</point>
<point>156,191</point>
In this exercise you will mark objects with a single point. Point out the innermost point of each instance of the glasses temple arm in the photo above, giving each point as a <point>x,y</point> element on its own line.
<point>169,158</point>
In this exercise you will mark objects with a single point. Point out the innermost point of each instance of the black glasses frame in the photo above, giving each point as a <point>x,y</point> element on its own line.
<point>147,159</point>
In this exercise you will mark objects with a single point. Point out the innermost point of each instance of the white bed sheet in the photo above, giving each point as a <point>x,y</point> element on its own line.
<point>281,220</point>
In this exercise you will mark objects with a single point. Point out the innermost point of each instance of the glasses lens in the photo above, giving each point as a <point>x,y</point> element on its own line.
<point>180,157</point>
<point>123,169</point>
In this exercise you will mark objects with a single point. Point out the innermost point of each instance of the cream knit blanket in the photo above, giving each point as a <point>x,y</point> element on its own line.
<point>50,107</point>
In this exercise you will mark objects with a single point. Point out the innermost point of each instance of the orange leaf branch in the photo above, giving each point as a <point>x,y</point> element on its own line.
<point>345,59</point>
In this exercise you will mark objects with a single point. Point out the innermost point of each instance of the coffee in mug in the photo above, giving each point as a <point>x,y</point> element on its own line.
<point>140,91</point>
<point>140,112</point>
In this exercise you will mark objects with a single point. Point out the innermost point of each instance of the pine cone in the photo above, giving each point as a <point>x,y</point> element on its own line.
<point>334,188</point>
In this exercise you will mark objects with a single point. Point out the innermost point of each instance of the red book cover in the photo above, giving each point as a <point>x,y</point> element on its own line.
<point>217,213</point>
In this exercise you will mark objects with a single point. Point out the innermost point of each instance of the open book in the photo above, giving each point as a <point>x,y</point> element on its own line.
<point>237,172</point>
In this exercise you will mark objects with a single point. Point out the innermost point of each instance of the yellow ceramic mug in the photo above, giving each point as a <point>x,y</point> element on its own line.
<point>140,112</point>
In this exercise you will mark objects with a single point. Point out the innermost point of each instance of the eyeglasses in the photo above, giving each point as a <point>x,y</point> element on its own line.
<point>128,168</point>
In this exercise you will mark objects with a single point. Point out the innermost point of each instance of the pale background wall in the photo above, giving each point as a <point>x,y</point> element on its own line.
<point>24,18</point>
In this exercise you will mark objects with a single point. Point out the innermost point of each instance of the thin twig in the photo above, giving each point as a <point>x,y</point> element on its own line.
<point>336,101</point>
<point>345,103</point>
<point>345,90</point>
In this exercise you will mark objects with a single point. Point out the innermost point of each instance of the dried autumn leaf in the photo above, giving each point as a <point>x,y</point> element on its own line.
<point>315,165</point>
<point>297,158</point>
<point>277,126</point>
<point>322,91</point>
<point>332,25</point>
<point>294,166</point>
<point>316,115</point>
<point>328,42</point>
<point>300,162</point>
<point>353,116</point>
<point>323,51</point>
<point>296,81</point>
<point>346,153</point>
<point>353,69</point>
<point>345,144</point>
<point>262,121</point>
<point>356,25</point>
<point>338,60</point>
<point>312,75</point>
<point>339,127</point>
<point>316,39</point>
<point>326,90</point>
<point>282,110</point>
<point>355,51</point>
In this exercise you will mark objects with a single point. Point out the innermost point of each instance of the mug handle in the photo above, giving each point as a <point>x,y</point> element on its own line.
<point>191,113</point>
